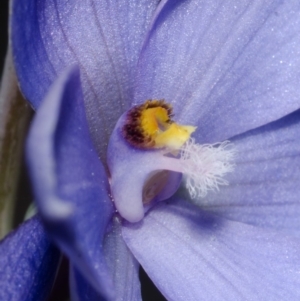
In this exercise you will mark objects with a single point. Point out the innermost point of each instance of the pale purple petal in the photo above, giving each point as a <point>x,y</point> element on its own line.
<point>69,181</point>
<point>103,37</point>
<point>194,255</point>
<point>28,263</point>
<point>264,186</point>
<point>122,265</point>
<point>226,66</point>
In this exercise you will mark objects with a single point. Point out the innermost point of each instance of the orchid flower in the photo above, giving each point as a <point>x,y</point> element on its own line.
<point>230,71</point>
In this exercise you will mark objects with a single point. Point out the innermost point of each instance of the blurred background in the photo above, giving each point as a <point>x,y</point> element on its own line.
<point>24,196</point>
<point>3,30</point>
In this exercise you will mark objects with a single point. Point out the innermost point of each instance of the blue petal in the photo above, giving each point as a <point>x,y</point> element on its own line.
<point>81,290</point>
<point>103,37</point>
<point>28,263</point>
<point>69,180</point>
<point>227,67</point>
<point>193,255</point>
<point>122,265</point>
<point>264,187</point>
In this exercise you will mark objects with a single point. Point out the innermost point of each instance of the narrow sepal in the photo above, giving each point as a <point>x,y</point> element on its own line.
<point>69,181</point>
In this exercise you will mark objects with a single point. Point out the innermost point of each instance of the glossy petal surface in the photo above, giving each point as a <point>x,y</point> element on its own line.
<point>193,255</point>
<point>69,181</point>
<point>264,187</point>
<point>103,37</point>
<point>227,66</point>
<point>28,263</point>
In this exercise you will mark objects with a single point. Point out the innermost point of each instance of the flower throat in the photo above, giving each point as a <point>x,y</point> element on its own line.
<point>148,154</point>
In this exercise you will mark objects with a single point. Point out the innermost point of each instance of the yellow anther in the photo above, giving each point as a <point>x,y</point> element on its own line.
<point>150,126</point>
<point>154,119</point>
<point>174,137</point>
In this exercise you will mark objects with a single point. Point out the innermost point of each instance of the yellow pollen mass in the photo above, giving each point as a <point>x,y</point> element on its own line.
<point>175,136</point>
<point>154,120</point>
<point>150,126</point>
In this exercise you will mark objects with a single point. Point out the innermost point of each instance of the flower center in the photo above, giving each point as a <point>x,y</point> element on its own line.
<point>148,153</point>
<point>150,126</point>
